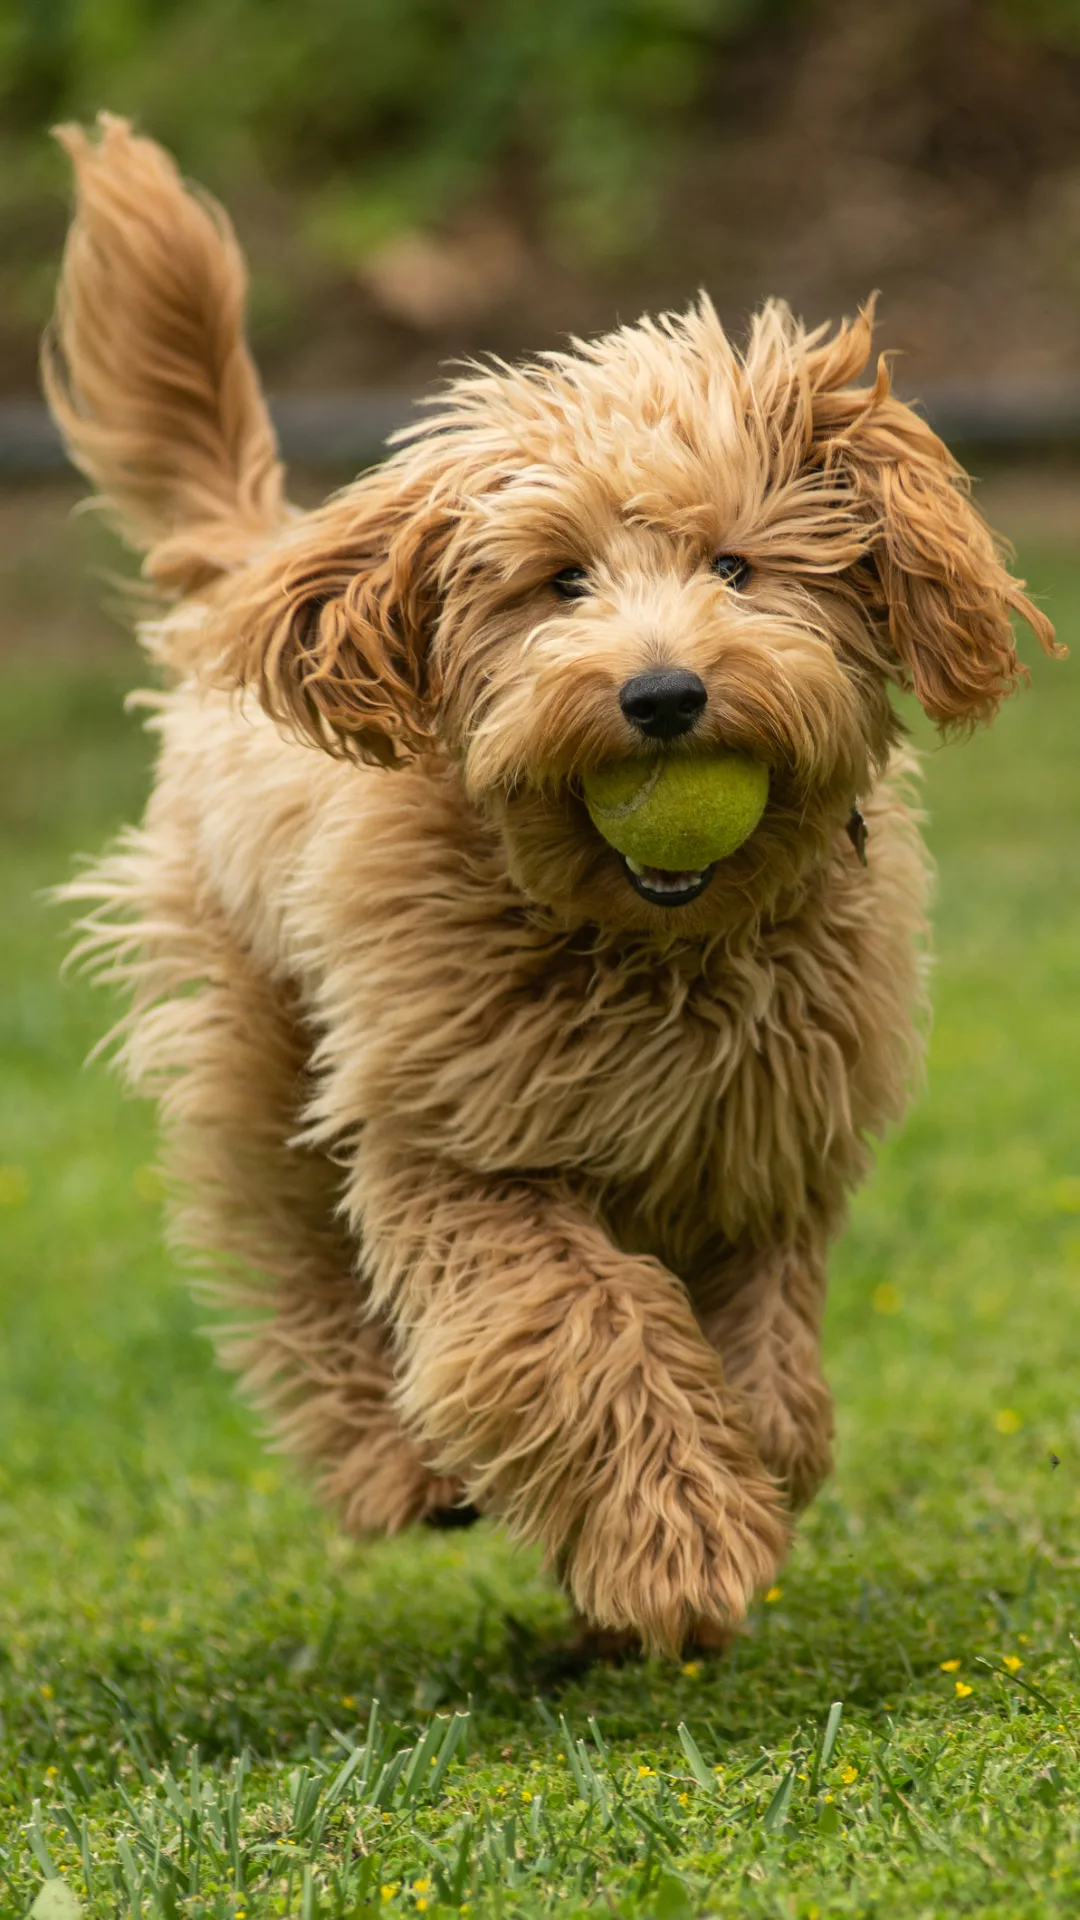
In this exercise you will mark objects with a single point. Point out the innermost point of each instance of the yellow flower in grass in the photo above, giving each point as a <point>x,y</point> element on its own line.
<point>692,1669</point>
<point>1011,1661</point>
<point>644,1772</point>
<point>962,1690</point>
<point>684,1799</point>
<point>773,1595</point>
<point>389,1888</point>
<point>849,1775</point>
<point>1007,1420</point>
<point>950,1666</point>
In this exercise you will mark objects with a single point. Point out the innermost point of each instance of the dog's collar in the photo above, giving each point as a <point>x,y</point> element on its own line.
<point>858,833</point>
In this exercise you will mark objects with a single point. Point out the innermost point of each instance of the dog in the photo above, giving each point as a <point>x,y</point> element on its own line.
<point>523,1164</point>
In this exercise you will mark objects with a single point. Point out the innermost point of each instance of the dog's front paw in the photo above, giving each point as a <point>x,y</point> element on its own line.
<point>678,1552</point>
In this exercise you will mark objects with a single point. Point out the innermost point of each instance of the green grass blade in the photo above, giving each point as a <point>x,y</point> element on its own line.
<point>456,1733</point>
<point>828,1742</point>
<point>777,1810</point>
<point>38,1848</point>
<point>695,1759</point>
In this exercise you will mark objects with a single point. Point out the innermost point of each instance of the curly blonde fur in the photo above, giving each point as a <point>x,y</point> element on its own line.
<point>524,1182</point>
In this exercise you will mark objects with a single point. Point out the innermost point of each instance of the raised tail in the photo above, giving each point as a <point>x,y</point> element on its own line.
<point>146,366</point>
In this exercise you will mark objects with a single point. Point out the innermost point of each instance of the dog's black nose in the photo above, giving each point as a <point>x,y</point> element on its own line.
<point>663,704</point>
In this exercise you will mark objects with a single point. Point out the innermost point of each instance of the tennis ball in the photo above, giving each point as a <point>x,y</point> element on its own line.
<point>677,812</point>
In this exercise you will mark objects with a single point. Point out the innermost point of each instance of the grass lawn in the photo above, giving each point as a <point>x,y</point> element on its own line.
<point>213,1704</point>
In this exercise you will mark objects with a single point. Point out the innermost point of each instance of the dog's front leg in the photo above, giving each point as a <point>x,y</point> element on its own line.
<point>570,1387</point>
<point>762,1311</point>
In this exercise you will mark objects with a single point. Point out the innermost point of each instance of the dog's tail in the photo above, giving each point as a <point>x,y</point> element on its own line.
<point>146,366</point>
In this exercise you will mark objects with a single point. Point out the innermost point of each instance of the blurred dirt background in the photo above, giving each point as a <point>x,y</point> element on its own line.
<point>420,179</point>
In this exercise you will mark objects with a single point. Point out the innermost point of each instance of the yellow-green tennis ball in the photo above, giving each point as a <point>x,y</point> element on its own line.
<point>677,812</point>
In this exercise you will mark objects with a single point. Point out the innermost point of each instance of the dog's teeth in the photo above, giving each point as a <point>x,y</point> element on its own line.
<point>657,881</point>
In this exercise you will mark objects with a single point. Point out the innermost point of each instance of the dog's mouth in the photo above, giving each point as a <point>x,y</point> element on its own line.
<point>664,889</point>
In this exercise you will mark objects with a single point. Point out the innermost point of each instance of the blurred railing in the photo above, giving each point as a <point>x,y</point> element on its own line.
<point>348,430</point>
<point>318,429</point>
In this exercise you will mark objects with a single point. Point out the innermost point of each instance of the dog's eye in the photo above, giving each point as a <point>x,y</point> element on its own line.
<point>570,583</point>
<point>733,570</point>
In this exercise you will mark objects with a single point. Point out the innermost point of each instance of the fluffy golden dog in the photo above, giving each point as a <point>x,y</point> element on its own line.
<point>528,1162</point>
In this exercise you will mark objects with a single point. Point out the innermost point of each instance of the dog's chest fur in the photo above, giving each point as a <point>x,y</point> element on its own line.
<point>709,1090</point>
<point>705,1091</point>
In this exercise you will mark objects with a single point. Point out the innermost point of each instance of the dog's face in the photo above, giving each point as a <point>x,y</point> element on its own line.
<point>652,545</point>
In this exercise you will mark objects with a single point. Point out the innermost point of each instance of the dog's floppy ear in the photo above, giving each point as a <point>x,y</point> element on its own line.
<point>936,570</point>
<point>332,626</point>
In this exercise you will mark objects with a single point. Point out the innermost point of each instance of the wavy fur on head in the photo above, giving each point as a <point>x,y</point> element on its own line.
<point>527,1180</point>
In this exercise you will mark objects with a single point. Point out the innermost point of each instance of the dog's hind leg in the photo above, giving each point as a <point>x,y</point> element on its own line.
<point>762,1312</point>
<point>223,1049</point>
